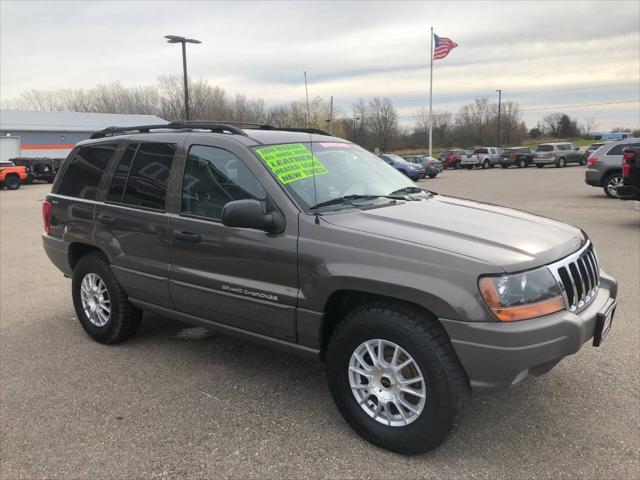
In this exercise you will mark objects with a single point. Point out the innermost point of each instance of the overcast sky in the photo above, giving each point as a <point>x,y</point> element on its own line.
<point>541,54</point>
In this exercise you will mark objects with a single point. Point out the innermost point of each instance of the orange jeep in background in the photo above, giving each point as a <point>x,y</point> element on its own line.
<point>11,176</point>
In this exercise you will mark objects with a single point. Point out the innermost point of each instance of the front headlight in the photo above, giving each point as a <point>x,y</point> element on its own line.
<point>522,295</point>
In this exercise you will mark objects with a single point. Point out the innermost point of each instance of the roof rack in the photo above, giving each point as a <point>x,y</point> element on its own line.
<point>265,126</point>
<point>213,127</point>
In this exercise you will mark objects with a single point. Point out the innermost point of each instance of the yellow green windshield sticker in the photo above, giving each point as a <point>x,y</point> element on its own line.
<point>291,162</point>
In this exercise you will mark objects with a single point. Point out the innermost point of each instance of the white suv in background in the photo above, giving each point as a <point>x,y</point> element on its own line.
<point>484,157</point>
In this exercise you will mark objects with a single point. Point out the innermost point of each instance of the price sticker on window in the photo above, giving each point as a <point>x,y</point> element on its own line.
<point>291,162</point>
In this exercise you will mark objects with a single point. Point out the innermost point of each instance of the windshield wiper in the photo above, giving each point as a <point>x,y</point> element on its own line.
<point>344,199</point>
<point>406,191</point>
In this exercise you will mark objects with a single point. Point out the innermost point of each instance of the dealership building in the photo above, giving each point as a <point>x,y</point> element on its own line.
<point>31,134</point>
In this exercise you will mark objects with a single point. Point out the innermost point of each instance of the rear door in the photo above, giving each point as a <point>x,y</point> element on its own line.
<point>132,222</point>
<point>76,190</point>
<point>237,276</point>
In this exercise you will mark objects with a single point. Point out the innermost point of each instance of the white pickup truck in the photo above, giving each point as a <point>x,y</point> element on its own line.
<point>484,157</point>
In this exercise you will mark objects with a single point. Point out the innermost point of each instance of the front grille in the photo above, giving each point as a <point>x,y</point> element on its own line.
<point>579,277</point>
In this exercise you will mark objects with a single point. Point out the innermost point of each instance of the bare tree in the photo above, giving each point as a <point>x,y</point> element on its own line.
<point>383,121</point>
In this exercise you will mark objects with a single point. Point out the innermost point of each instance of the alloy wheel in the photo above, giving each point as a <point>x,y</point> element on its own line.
<point>613,184</point>
<point>387,382</point>
<point>94,296</point>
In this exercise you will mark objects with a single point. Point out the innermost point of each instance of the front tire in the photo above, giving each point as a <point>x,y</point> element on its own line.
<point>101,305</point>
<point>561,163</point>
<point>522,163</point>
<point>486,164</point>
<point>395,378</point>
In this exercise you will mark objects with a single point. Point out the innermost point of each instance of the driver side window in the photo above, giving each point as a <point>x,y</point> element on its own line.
<point>212,178</point>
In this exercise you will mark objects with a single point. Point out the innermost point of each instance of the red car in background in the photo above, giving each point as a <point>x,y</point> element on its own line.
<point>452,157</point>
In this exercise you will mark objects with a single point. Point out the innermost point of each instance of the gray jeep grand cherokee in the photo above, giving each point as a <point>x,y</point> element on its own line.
<point>306,242</point>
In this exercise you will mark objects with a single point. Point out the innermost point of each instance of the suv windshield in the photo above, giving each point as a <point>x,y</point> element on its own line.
<point>544,148</point>
<point>341,170</point>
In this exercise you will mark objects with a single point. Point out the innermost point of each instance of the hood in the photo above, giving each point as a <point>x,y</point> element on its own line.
<point>507,238</point>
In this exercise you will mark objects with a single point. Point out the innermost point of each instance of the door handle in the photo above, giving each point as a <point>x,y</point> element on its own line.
<point>106,219</point>
<point>187,236</point>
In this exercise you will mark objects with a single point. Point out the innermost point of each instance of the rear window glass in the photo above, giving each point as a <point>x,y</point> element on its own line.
<point>619,149</point>
<point>544,148</point>
<point>82,175</point>
<point>149,175</point>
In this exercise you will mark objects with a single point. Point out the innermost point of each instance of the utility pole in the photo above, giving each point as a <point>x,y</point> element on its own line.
<point>499,113</point>
<point>183,41</point>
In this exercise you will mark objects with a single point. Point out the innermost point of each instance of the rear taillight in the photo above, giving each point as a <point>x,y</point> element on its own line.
<point>627,161</point>
<point>46,216</point>
<point>592,160</point>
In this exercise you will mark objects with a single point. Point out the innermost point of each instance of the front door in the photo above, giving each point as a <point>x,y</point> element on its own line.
<point>237,276</point>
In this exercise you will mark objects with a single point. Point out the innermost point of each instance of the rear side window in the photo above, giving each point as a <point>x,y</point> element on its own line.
<point>214,177</point>
<point>119,181</point>
<point>146,185</point>
<point>619,149</point>
<point>544,148</point>
<point>481,150</point>
<point>82,175</point>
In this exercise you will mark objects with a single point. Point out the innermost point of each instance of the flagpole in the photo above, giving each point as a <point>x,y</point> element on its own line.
<point>431,98</point>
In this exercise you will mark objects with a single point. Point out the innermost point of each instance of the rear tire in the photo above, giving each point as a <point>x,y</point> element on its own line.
<point>123,319</point>
<point>12,182</point>
<point>611,183</point>
<point>456,166</point>
<point>583,161</point>
<point>444,384</point>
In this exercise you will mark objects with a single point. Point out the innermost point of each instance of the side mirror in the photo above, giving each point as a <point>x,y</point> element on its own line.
<point>248,214</point>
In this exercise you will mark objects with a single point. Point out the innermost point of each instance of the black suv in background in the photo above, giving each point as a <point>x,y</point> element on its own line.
<point>306,242</point>
<point>520,157</point>
<point>630,188</point>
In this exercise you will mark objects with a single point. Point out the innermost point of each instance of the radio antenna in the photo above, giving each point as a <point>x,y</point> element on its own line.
<point>313,163</point>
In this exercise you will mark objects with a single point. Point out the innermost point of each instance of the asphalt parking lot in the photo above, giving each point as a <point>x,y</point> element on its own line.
<point>182,402</point>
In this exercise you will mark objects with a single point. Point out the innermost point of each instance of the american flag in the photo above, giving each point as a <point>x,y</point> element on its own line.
<point>442,47</point>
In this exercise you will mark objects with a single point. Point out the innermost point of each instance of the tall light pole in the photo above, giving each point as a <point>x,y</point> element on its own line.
<point>499,112</point>
<point>183,41</point>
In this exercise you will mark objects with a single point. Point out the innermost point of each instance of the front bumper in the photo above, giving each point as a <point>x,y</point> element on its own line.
<point>497,355</point>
